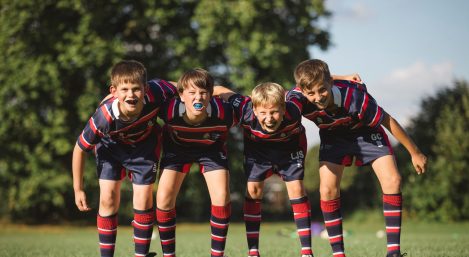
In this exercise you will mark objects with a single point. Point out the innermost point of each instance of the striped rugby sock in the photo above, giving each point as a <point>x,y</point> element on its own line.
<point>219,223</point>
<point>333,221</point>
<point>252,219</point>
<point>143,229</point>
<point>302,215</point>
<point>392,208</point>
<point>166,221</point>
<point>107,232</point>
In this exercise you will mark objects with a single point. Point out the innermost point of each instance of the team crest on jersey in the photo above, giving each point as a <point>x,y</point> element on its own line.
<point>319,120</point>
<point>283,135</point>
<point>151,123</point>
<point>206,136</point>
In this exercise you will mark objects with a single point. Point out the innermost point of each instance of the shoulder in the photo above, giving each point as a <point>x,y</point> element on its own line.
<point>238,100</point>
<point>295,92</point>
<point>293,110</point>
<point>161,88</point>
<point>345,85</point>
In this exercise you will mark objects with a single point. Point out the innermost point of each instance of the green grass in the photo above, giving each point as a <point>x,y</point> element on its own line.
<point>277,239</point>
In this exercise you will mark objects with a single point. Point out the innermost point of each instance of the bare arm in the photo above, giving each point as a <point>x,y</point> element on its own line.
<point>78,161</point>
<point>222,92</point>
<point>352,77</point>
<point>419,160</point>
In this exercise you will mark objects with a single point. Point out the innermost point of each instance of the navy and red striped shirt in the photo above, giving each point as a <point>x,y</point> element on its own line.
<point>106,127</point>
<point>356,108</point>
<point>212,132</point>
<point>287,134</point>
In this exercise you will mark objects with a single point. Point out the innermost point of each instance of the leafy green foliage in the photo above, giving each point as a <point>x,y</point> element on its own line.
<point>441,130</point>
<point>56,57</point>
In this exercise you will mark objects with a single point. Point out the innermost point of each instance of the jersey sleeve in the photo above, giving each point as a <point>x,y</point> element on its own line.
<point>160,91</point>
<point>97,126</point>
<point>300,101</point>
<point>368,111</point>
<point>242,108</point>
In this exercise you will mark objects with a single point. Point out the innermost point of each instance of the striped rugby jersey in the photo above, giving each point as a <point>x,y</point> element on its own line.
<point>106,127</point>
<point>212,132</point>
<point>288,132</point>
<point>357,108</point>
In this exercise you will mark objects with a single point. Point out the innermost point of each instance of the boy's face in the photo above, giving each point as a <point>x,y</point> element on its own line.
<point>320,95</point>
<point>270,116</point>
<point>130,96</point>
<point>196,100</point>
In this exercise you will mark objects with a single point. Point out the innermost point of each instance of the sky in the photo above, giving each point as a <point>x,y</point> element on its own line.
<point>404,50</point>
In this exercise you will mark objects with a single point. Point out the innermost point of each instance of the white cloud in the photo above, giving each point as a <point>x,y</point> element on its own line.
<point>347,10</point>
<point>401,91</point>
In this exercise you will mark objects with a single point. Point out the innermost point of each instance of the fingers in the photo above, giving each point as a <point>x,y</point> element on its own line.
<point>357,78</point>
<point>81,204</point>
<point>85,207</point>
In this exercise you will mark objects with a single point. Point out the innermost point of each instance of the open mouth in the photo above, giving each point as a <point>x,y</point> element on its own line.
<point>198,106</point>
<point>132,102</point>
<point>271,126</point>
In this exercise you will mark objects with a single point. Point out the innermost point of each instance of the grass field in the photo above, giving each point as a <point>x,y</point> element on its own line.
<point>277,240</point>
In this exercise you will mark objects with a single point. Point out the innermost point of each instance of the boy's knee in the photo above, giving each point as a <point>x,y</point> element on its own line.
<point>108,203</point>
<point>254,192</point>
<point>392,184</point>
<point>328,192</point>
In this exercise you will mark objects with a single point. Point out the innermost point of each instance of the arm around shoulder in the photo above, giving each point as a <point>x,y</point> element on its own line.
<point>355,77</point>
<point>419,160</point>
<point>222,92</point>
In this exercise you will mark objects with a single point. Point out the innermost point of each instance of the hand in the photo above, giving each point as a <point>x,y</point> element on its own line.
<point>354,77</point>
<point>80,201</point>
<point>419,161</point>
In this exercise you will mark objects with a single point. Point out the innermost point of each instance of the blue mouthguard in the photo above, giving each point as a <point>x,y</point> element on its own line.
<point>198,106</point>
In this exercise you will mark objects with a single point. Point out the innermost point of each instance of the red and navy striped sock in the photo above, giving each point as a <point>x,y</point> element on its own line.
<point>166,221</point>
<point>392,207</point>
<point>219,222</point>
<point>252,220</point>
<point>143,229</point>
<point>107,231</point>
<point>333,221</point>
<point>302,215</point>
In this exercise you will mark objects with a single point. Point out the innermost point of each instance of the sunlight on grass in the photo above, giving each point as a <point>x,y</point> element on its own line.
<point>277,239</point>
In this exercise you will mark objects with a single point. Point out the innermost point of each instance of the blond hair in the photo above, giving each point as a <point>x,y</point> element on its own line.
<point>199,77</point>
<point>268,93</point>
<point>312,72</point>
<point>128,71</point>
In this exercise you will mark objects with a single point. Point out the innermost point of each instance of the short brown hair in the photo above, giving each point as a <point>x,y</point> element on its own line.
<point>199,77</point>
<point>311,72</point>
<point>268,93</point>
<point>128,71</point>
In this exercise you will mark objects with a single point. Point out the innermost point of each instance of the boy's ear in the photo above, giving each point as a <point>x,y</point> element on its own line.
<point>180,96</point>
<point>254,110</point>
<point>112,90</point>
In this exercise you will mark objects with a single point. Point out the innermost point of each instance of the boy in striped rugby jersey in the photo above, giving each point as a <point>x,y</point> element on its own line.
<point>195,131</point>
<point>125,137</point>
<point>350,126</point>
<point>274,143</point>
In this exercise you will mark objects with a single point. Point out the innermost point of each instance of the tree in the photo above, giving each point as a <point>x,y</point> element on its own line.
<point>56,57</point>
<point>440,130</point>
